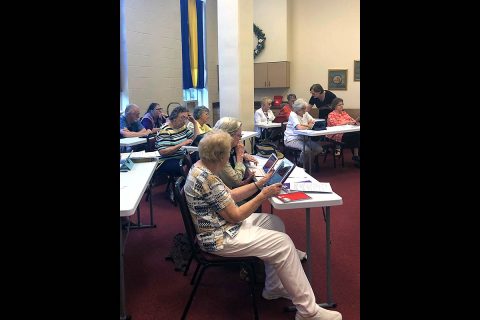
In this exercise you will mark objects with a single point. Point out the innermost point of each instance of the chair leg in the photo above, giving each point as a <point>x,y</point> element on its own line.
<point>195,274</point>
<point>251,269</point>
<point>341,154</point>
<point>190,299</point>
<point>188,265</point>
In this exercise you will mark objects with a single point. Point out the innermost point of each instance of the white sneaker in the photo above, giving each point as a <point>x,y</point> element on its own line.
<point>323,314</point>
<point>272,295</point>
<point>302,255</point>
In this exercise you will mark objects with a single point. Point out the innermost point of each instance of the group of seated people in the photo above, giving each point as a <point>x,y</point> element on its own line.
<point>330,108</point>
<point>223,196</point>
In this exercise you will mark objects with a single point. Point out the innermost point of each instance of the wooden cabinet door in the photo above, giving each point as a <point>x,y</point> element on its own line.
<point>278,74</point>
<point>260,75</point>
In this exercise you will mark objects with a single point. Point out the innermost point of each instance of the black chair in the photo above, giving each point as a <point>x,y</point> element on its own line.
<point>287,151</point>
<point>185,164</point>
<point>330,147</point>
<point>205,260</point>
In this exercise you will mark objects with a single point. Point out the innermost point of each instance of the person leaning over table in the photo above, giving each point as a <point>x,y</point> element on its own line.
<point>130,126</point>
<point>235,173</point>
<point>228,230</point>
<point>300,119</point>
<point>339,117</point>
<point>153,117</point>
<point>321,99</point>
<point>173,135</point>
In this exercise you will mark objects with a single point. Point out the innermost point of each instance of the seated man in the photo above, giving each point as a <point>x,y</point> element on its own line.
<point>130,126</point>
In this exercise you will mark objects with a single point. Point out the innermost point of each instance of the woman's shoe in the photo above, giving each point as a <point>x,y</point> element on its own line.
<point>356,158</point>
<point>337,152</point>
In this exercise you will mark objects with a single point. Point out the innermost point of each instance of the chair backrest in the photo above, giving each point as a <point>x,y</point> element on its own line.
<point>190,230</point>
<point>186,164</point>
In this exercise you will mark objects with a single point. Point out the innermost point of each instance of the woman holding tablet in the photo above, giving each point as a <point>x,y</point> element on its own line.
<point>228,230</point>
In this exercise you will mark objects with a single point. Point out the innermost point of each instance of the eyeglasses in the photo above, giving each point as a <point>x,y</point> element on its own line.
<point>158,108</point>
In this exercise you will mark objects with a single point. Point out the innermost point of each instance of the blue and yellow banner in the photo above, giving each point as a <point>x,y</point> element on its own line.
<point>192,44</point>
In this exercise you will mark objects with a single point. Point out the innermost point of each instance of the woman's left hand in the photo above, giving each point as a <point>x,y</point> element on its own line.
<point>249,157</point>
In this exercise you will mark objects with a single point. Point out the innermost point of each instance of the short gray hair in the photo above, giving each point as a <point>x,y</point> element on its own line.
<point>130,108</point>
<point>228,124</point>
<point>299,104</point>
<point>197,111</point>
<point>215,146</point>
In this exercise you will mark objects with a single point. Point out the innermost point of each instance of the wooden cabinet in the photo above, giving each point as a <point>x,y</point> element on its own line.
<point>272,74</point>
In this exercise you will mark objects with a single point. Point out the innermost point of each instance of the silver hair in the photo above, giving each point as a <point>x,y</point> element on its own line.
<point>197,111</point>
<point>299,104</point>
<point>228,124</point>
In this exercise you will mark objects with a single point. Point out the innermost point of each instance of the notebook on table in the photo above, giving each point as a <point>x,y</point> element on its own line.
<point>267,167</point>
<point>282,172</point>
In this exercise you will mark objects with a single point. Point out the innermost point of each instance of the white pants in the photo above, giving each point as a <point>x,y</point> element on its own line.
<point>263,235</point>
<point>312,148</point>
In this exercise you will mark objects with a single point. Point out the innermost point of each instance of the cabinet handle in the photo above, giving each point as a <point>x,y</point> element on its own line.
<point>269,83</point>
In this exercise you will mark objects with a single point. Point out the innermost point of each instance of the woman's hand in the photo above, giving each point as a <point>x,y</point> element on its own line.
<point>239,149</point>
<point>249,157</point>
<point>265,178</point>
<point>272,190</point>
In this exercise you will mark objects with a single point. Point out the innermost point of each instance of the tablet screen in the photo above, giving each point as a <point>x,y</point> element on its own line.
<point>282,172</point>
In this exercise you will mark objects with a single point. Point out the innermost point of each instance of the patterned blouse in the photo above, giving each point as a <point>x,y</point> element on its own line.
<point>337,119</point>
<point>207,195</point>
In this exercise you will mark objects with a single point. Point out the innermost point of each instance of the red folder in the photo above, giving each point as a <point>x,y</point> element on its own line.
<point>293,196</point>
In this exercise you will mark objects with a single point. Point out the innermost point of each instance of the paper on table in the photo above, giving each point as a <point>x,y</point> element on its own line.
<point>311,186</point>
<point>141,155</point>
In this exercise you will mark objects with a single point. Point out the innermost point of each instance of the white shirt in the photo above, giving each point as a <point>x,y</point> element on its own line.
<point>294,120</point>
<point>260,118</point>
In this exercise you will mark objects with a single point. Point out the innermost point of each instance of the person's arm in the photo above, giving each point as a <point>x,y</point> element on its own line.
<point>310,104</point>
<point>234,214</point>
<point>196,126</point>
<point>245,191</point>
<point>130,134</point>
<point>259,117</point>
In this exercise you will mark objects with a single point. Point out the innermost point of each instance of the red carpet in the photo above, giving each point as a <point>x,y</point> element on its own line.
<point>155,291</point>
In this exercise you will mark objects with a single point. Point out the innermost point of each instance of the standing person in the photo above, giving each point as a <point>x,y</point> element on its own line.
<point>153,117</point>
<point>284,113</point>
<point>339,117</point>
<point>228,230</point>
<point>300,119</point>
<point>130,126</point>
<point>322,99</point>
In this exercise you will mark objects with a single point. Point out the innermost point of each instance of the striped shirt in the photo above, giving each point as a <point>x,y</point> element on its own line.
<point>168,137</point>
<point>207,195</point>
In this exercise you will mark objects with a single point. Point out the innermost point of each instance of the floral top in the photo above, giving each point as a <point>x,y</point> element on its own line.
<point>207,195</point>
<point>337,119</point>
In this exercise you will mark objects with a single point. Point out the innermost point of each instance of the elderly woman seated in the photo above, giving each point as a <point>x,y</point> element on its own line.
<point>235,173</point>
<point>228,230</point>
<point>300,119</point>
<point>339,117</point>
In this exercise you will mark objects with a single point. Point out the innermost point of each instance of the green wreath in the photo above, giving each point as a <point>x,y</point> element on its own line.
<point>260,42</point>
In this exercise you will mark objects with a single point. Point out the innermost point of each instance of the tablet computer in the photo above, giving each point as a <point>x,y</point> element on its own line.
<point>267,167</point>
<point>282,172</point>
